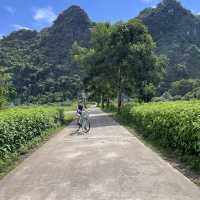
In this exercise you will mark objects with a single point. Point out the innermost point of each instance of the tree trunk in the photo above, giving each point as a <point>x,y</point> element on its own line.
<point>102,101</point>
<point>119,91</point>
<point>108,103</point>
<point>119,102</point>
<point>98,99</point>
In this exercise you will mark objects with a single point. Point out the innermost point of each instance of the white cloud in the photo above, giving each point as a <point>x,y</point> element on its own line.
<point>1,36</point>
<point>195,12</point>
<point>19,27</point>
<point>44,15</point>
<point>10,9</point>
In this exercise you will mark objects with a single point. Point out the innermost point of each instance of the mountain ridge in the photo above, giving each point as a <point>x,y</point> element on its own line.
<point>41,62</point>
<point>176,31</point>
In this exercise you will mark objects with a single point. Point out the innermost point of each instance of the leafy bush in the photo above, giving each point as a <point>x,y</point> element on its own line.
<point>174,124</point>
<point>165,97</point>
<point>177,97</point>
<point>183,86</point>
<point>126,111</point>
<point>157,99</point>
<point>194,94</point>
<point>18,126</point>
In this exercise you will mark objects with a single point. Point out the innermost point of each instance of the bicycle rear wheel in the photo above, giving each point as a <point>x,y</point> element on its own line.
<point>86,125</point>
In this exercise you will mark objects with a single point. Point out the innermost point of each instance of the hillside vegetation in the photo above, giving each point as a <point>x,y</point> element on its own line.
<point>42,69</point>
<point>176,32</point>
<point>40,63</point>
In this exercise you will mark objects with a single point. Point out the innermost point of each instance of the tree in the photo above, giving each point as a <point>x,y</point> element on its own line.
<point>97,80</point>
<point>149,92</point>
<point>184,86</point>
<point>132,60</point>
<point>121,61</point>
<point>5,86</point>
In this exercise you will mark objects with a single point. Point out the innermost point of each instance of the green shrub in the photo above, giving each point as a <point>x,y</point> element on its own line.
<point>174,124</point>
<point>18,126</point>
<point>126,111</point>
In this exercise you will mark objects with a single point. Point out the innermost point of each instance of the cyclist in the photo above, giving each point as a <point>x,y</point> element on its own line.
<point>82,116</point>
<point>79,111</point>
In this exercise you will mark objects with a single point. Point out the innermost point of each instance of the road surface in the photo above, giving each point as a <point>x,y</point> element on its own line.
<point>107,164</point>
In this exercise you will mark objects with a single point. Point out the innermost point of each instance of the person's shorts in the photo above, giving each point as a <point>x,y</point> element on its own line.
<point>79,112</point>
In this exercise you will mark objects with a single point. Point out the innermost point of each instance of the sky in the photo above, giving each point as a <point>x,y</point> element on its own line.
<point>37,14</point>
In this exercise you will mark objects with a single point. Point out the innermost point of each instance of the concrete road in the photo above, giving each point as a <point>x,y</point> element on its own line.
<point>107,164</point>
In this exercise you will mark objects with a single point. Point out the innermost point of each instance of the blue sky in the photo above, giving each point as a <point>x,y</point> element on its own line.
<point>37,14</point>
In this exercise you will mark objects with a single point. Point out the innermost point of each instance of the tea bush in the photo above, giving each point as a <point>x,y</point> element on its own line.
<point>174,124</point>
<point>19,126</point>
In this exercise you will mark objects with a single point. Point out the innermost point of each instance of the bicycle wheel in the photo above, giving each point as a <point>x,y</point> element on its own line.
<point>86,126</point>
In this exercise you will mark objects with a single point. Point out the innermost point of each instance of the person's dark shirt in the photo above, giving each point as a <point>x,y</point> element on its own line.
<point>80,107</point>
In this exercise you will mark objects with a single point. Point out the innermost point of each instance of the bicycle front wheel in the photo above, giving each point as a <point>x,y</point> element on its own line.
<point>86,126</point>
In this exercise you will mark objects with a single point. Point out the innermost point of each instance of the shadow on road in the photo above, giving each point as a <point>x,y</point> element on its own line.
<point>101,121</point>
<point>97,119</point>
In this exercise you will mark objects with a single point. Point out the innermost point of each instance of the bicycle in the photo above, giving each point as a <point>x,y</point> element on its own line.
<point>84,122</point>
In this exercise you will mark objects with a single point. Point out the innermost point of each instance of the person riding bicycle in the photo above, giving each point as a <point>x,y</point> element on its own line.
<point>79,111</point>
<point>82,120</point>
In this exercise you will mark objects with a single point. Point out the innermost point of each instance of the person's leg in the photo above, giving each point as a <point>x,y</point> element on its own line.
<point>78,121</point>
<point>78,118</point>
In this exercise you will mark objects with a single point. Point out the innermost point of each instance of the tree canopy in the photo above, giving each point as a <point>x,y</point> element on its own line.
<point>6,90</point>
<point>121,62</point>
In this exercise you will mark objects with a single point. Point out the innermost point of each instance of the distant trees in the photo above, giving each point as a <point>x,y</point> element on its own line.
<point>40,63</point>
<point>5,87</point>
<point>175,31</point>
<point>121,62</point>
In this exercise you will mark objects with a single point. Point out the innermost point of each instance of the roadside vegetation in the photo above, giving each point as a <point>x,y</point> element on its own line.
<point>24,128</point>
<point>6,89</point>
<point>171,126</point>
